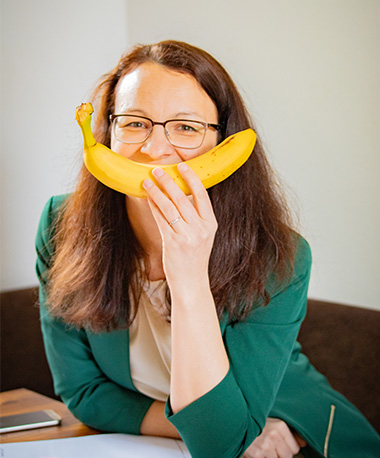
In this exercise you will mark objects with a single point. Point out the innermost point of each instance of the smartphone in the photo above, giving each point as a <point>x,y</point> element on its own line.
<point>29,420</point>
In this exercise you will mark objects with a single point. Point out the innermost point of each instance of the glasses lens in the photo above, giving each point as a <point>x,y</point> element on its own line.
<point>131,129</point>
<point>185,134</point>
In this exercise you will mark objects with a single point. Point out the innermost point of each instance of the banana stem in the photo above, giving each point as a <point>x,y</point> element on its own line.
<point>88,138</point>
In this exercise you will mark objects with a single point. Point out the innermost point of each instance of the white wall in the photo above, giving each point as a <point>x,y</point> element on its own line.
<point>52,53</point>
<point>308,70</point>
<point>310,73</point>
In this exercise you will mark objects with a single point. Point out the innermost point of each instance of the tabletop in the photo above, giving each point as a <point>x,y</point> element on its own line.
<point>23,400</point>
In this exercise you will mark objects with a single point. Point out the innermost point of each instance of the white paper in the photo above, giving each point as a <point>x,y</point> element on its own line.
<point>98,446</point>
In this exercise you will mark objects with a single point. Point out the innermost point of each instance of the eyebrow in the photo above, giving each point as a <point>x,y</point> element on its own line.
<point>136,110</point>
<point>177,115</point>
<point>188,113</point>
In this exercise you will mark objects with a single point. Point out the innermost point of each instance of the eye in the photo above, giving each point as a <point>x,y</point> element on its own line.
<point>131,123</point>
<point>183,127</point>
<point>137,124</point>
<point>186,128</point>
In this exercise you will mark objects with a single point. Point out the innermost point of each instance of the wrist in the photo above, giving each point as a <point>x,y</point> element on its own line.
<point>190,292</point>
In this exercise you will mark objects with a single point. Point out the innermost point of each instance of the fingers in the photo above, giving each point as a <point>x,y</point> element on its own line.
<point>275,440</point>
<point>284,451</point>
<point>301,442</point>
<point>168,210</point>
<point>289,439</point>
<point>288,444</point>
<point>171,200</point>
<point>165,212</point>
<point>201,199</point>
<point>162,222</point>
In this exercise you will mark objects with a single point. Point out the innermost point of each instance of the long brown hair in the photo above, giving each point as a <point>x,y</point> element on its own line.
<point>96,270</point>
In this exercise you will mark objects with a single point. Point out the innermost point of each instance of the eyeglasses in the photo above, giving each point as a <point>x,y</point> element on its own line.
<point>182,133</point>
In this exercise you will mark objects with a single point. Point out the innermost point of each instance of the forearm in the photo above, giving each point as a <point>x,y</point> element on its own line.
<point>199,359</point>
<point>81,381</point>
<point>156,424</point>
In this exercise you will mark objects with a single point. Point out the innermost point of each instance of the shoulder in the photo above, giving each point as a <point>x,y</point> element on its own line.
<point>288,300</point>
<point>301,266</point>
<point>302,258</point>
<point>48,217</point>
<point>54,204</point>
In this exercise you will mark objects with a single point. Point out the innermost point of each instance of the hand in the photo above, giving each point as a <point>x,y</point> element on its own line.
<point>187,227</point>
<point>276,441</point>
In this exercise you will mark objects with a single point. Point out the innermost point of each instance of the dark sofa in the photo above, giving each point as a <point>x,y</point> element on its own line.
<point>343,342</point>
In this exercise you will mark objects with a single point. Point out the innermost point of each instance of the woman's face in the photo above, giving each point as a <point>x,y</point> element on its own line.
<point>156,92</point>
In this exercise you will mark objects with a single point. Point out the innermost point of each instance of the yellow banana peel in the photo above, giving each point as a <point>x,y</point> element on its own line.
<point>127,176</point>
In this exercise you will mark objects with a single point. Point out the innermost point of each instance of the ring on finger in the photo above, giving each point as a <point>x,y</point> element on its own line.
<point>174,221</point>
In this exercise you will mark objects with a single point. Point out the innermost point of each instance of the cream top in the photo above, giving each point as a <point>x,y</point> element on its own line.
<point>150,343</point>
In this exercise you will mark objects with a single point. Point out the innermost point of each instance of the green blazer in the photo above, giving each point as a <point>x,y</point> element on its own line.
<point>268,377</point>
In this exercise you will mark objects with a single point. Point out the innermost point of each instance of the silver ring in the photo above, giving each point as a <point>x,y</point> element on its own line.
<point>174,221</point>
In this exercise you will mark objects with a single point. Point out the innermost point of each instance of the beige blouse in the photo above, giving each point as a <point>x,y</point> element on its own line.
<point>150,343</point>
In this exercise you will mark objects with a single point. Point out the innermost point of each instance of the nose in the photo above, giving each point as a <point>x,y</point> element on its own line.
<point>157,145</point>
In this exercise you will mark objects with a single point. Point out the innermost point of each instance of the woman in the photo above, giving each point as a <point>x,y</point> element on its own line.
<point>178,316</point>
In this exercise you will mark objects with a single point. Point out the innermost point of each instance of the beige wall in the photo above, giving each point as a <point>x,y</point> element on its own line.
<point>310,74</point>
<point>52,52</point>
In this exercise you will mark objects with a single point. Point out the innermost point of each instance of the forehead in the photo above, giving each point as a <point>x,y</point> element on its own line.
<point>153,87</point>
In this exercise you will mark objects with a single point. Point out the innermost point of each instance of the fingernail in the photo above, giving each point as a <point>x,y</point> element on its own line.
<point>147,184</point>
<point>182,166</point>
<point>158,172</point>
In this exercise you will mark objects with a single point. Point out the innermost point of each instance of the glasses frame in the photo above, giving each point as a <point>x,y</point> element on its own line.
<point>206,126</point>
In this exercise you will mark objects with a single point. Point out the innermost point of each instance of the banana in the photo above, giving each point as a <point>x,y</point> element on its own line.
<point>127,176</point>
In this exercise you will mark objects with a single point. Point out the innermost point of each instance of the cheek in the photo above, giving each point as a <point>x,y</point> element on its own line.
<point>207,145</point>
<point>123,149</point>
<point>114,144</point>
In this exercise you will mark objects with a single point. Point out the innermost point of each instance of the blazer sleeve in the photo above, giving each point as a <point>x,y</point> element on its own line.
<point>88,393</point>
<point>226,420</point>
